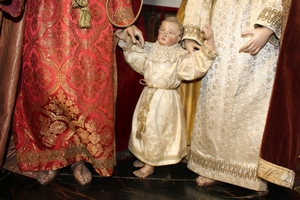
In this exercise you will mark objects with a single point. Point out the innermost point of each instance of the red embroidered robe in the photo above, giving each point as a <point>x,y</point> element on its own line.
<point>65,105</point>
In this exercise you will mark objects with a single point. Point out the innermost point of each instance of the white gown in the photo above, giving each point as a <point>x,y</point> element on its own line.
<point>158,134</point>
<point>235,93</point>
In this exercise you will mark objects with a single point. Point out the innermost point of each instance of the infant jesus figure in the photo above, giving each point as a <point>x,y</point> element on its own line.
<point>158,134</point>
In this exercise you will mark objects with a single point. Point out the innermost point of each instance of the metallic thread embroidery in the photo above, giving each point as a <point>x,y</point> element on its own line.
<point>231,168</point>
<point>142,116</point>
<point>193,31</point>
<point>272,16</point>
<point>275,173</point>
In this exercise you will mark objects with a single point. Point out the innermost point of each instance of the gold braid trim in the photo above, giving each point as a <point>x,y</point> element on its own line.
<point>193,31</point>
<point>85,14</point>
<point>34,159</point>
<point>231,168</point>
<point>276,174</point>
<point>272,16</point>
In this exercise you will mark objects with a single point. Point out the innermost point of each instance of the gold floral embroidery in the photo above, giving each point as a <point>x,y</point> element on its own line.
<point>91,138</point>
<point>62,105</point>
<point>58,42</point>
<point>88,76</point>
<point>36,75</point>
<point>122,15</point>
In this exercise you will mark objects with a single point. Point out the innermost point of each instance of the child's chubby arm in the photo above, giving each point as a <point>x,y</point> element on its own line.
<point>208,37</point>
<point>200,58</point>
<point>196,64</point>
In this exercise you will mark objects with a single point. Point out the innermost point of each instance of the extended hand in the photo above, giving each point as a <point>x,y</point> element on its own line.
<point>133,31</point>
<point>259,37</point>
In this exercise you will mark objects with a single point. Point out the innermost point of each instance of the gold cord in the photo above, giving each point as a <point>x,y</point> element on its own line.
<point>123,26</point>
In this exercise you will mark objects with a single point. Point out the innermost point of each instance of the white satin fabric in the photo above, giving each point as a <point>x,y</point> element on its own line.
<point>163,140</point>
<point>235,93</point>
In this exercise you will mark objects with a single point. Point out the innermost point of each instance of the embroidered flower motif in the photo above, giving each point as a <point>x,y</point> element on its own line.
<point>91,138</point>
<point>94,150</point>
<point>84,135</point>
<point>88,77</point>
<point>94,138</point>
<point>50,131</point>
<point>61,105</point>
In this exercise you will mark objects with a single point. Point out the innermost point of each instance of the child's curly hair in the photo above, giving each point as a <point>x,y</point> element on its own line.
<point>175,20</point>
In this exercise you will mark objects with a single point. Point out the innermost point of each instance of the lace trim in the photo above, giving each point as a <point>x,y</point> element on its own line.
<point>234,169</point>
<point>161,54</point>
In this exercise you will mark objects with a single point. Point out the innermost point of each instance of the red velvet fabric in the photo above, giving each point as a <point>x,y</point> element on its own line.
<point>281,140</point>
<point>128,92</point>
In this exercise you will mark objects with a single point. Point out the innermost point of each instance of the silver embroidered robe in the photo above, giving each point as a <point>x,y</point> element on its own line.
<point>235,93</point>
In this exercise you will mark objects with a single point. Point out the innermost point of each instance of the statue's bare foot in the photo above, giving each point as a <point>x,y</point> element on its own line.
<point>46,177</point>
<point>144,172</point>
<point>138,163</point>
<point>263,193</point>
<point>81,173</point>
<point>204,182</point>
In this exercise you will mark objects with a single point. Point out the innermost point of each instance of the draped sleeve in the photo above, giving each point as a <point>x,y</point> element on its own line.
<point>120,11</point>
<point>196,64</point>
<point>13,7</point>
<point>135,56</point>
<point>192,25</point>
<point>271,17</point>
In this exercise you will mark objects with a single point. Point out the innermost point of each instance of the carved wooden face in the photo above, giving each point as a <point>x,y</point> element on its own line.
<point>168,33</point>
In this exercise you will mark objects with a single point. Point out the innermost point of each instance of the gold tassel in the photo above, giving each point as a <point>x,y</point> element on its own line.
<point>75,4</point>
<point>142,115</point>
<point>80,3</point>
<point>141,129</point>
<point>85,14</point>
<point>85,18</point>
<point>142,126</point>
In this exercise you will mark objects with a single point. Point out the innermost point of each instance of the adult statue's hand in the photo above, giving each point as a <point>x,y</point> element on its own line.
<point>259,37</point>
<point>134,32</point>
<point>191,45</point>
